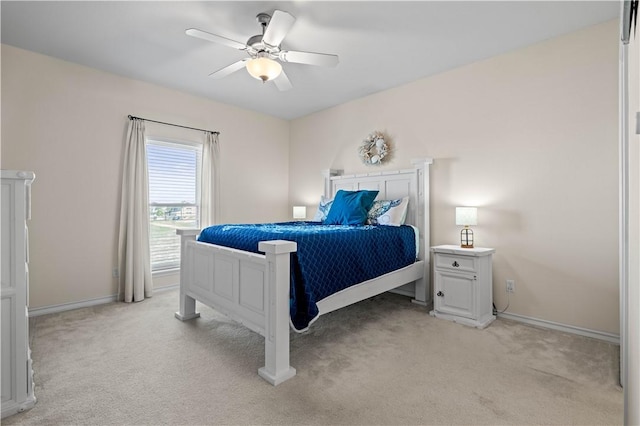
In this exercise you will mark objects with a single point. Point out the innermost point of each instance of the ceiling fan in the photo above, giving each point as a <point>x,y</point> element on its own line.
<point>264,51</point>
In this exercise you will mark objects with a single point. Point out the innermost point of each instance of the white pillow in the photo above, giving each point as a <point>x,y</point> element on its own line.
<point>323,209</point>
<point>388,212</point>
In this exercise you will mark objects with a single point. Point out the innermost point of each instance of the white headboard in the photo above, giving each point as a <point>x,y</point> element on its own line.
<point>394,184</point>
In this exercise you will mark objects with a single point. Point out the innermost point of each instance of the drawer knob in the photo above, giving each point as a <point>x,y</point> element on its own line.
<point>440,294</point>
<point>455,264</point>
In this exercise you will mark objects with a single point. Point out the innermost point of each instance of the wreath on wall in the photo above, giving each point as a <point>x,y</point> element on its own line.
<point>374,149</point>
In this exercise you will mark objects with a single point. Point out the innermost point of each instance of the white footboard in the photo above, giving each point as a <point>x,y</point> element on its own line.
<point>250,288</point>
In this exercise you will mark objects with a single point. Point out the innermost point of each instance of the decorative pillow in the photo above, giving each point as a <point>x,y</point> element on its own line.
<point>350,207</point>
<point>388,212</point>
<point>323,209</point>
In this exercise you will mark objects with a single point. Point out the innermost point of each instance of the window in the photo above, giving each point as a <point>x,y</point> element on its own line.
<point>174,183</point>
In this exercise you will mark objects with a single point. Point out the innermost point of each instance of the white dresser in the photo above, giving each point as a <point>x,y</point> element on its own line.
<point>17,374</point>
<point>463,287</point>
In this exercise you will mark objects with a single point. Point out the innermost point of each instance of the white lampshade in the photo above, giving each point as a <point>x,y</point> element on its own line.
<point>264,69</point>
<point>466,216</point>
<point>299,212</point>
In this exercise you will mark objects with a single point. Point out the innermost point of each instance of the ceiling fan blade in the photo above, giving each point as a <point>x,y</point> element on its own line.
<point>215,38</point>
<point>282,82</point>
<point>229,69</point>
<point>278,27</point>
<point>309,58</point>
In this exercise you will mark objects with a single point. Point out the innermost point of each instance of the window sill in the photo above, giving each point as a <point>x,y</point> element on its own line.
<point>165,272</point>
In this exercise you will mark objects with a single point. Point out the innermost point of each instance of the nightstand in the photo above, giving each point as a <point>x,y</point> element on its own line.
<point>463,290</point>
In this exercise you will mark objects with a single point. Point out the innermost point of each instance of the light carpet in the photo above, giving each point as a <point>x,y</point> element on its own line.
<point>380,361</point>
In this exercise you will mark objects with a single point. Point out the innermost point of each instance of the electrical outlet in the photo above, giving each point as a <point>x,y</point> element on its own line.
<point>511,286</point>
<point>115,273</point>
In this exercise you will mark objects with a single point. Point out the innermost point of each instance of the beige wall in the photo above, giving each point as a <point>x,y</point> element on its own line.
<point>530,137</point>
<point>67,123</point>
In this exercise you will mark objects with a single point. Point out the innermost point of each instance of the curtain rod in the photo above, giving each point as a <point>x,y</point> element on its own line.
<point>131,117</point>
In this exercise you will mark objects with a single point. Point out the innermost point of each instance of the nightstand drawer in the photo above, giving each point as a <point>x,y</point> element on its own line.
<point>456,263</point>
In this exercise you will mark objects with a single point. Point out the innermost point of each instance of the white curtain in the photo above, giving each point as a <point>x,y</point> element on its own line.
<point>133,245</point>
<point>210,181</point>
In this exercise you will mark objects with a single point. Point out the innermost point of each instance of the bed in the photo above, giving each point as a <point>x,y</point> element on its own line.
<point>254,289</point>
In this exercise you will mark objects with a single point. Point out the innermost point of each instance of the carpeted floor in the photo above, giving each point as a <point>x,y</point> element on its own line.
<point>381,361</point>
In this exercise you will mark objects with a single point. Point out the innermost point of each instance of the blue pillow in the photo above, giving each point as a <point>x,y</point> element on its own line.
<point>350,207</point>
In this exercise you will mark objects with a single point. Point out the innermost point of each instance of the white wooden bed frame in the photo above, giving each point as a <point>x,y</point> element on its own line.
<point>253,289</point>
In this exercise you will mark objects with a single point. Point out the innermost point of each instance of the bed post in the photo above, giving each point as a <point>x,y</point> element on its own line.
<point>276,334</point>
<point>328,174</point>
<point>423,287</point>
<point>187,303</point>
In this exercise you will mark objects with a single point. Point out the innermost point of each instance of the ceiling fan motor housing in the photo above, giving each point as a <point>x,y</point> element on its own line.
<point>255,45</point>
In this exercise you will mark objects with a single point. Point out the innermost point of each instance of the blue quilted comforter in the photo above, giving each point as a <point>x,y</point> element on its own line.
<point>330,258</point>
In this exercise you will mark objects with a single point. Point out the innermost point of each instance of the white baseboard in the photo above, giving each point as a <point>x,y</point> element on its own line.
<point>600,335</point>
<point>54,309</point>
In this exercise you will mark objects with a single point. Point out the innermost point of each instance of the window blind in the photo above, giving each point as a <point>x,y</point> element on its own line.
<point>174,170</point>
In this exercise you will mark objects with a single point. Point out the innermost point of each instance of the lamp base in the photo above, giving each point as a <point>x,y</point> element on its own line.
<point>466,238</point>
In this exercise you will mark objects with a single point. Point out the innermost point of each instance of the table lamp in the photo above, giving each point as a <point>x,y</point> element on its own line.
<point>299,212</point>
<point>466,216</point>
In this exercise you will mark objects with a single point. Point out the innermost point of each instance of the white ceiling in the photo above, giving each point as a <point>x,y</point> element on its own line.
<point>380,44</point>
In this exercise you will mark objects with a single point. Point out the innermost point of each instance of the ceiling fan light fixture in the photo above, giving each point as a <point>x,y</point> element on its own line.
<point>264,69</point>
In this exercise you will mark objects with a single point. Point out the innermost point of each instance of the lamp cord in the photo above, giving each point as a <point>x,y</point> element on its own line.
<point>496,311</point>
